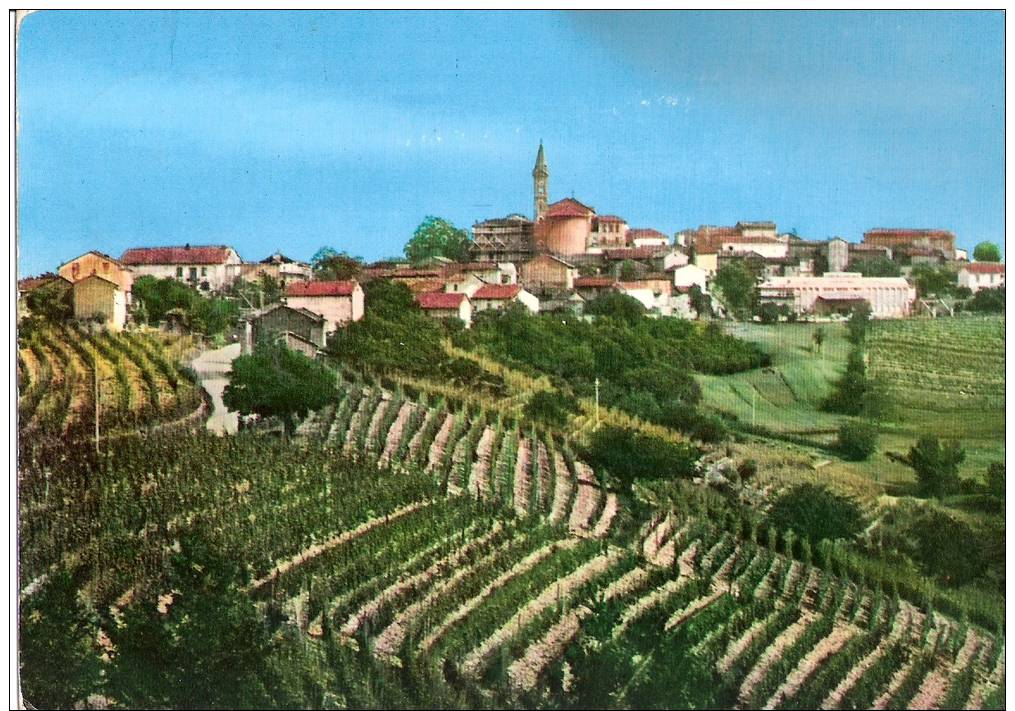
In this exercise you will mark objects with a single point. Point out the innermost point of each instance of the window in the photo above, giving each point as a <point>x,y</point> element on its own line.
<point>179,272</point>
<point>193,273</point>
<point>204,271</point>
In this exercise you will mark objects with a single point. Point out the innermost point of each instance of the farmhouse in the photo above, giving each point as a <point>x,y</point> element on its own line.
<point>895,238</point>
<point>337,301</point>
<point>209,268</point>
<point>99,297</point>
<point>279,267</point>
<point>101,264</point>
<point>446,305</point>
<point>982,275</point>
<point>498,296</point>
<point>281,319</point>
<point>591,287</point>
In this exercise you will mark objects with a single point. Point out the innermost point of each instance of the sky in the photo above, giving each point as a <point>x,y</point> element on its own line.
<point>285,131</point>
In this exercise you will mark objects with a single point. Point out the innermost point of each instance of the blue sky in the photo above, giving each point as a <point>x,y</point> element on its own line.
<point>292,131</point>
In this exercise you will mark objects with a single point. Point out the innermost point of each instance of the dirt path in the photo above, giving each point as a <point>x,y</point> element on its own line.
<point>212,368</point>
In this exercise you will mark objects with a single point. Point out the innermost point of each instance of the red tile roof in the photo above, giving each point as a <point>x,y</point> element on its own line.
<point>630,253</point>
<point>497,291</point>
<point>594,282</point>
<point>470,267</point>
<point>440,300</point>
<point>754,239</point>
<point>645,233</point>
<point>415,273</point>
<point>569,207</point>
<point>908,232</point>
<point>321,288</point>
<point>218,254</point>
<point>105,256</point>
<point>984,268</point>
<point>610,218</point>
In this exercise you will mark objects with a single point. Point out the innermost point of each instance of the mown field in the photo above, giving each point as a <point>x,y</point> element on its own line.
<point>405,552</point>
<point>945,378</point>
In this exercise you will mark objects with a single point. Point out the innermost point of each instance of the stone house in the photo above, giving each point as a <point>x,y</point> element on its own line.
<point>591,287</point>
<point>103,265</point>
<point>99,297</point>
<point>339,302</point>
<point>281,319</point>
<point>546,273</point>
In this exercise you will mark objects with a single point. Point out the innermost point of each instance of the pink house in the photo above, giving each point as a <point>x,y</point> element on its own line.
<point>337,301</point>
<point>439,304</point>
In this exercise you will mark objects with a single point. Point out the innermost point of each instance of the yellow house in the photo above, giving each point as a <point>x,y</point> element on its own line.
<point>97,296</point>
<point>100,264</point>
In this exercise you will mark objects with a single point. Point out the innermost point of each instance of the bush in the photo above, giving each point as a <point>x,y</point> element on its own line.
<point>616,305</point>
<point>987,301</point>
<point>944,547</point>
<point>857,440</point>
<point>814,512</point>
<point>995,479</point>
<point>553,408</point>
<point>630,455</point>
<point>936,467</point>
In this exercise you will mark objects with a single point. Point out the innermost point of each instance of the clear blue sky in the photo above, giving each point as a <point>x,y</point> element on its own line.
<point>292,131</point>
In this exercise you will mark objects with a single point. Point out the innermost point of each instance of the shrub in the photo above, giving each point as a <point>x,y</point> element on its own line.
<point>995,479</point>
<point>630,455</point>
<point>554,408</point>
<point>814,512</point>
<point>857,440</point>
<point>936,467</point>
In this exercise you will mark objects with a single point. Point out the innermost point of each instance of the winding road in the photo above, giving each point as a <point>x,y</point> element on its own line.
<point>213,368</point>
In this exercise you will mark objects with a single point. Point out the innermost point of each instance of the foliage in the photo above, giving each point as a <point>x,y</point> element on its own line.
<point>628,270</point>
<point>629,455</point>
<point>553,408</point>
<point>771,313</point>
<point>208,650</point>
<point>59,657</point>
<point>737,283</point>
<point>936,281</point>
<point>995,479</point>
<point>161,297</point>
<point>819,338</point>
<point>945,547</point>
<point>857,440</point>
<point>936,467</point>
<point>987,252</point>
<point>613,304</point>
<point>988,301</point>
<point>265,290</point>
<point>875,267</point>
<point>814,512</point>
<point>858,324</point>
<point>276,381</point>
<point>331,265</point>
<point>53,301</point>
<point>700,302</point>
<point>436,237</point>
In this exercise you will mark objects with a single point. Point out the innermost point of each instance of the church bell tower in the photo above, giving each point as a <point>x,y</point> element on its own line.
<point>540,178</point>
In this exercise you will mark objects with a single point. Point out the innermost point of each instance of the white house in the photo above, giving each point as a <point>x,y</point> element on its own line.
<point>209,268</point>
<point>688,275</point>
<point>982,275</point>
<point>438,304</point>
<point>339,302</point>
<point>498,296</point>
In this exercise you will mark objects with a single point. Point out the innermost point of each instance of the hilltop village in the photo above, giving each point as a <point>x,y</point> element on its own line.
<point>566,255</point>
<point>559,462</point>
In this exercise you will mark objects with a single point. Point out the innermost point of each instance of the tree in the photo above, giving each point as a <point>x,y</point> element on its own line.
<point>436,237</point>
<point>814,512</point>
<point>987,252</point>
<point>859,321</point>
<point>628,455</point>
<point>277,382</point>
<point>628,270</point>
<point>934,281</point>
<point>162,297</point>
<point>936,467</point>
<point>818,337</point>
<point>53,301</point>
<point>738,284</point>
<point>618,306</point>
<point>331,265</point>
<point>876,267</point>
<point>857,440</point>
<point>700,301</point>
<point>995,479</point>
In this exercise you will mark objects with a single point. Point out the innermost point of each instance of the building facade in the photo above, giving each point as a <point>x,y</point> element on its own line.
<point>208,268</point>
<point>896,237</point>
<point>546,273</point>
<point>446,305</point>
<point>888,297</point>
<point>982,275</point>
<point>339,302</point>
<point>98,297</point>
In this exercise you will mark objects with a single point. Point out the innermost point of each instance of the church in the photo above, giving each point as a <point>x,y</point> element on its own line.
<point>567,228</point>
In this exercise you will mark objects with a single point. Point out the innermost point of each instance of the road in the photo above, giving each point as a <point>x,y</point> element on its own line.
<point>213,368</point>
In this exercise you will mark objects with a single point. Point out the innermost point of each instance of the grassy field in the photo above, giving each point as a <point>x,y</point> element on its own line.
<point>946,378</point>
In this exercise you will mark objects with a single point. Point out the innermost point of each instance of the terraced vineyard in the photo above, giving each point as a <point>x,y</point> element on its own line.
<point>432,557</point>
<point>140,383</point>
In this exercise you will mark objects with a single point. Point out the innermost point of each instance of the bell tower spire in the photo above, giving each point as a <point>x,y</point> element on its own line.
<point>540,180</point>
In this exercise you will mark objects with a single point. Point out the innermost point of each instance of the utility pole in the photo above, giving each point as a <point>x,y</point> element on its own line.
<point>95,374</point>
<point>597,402</point>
